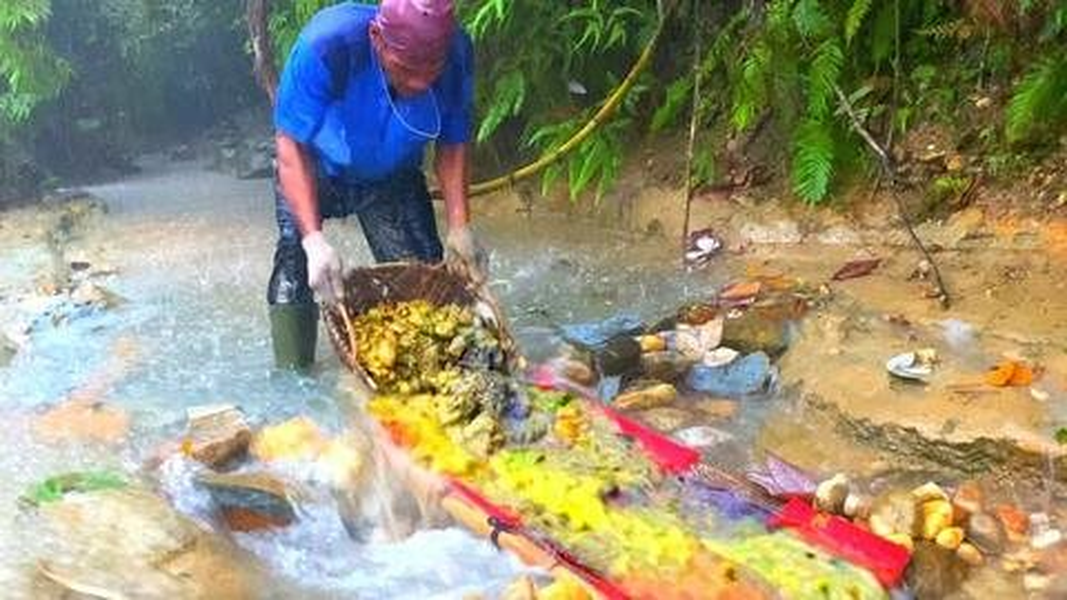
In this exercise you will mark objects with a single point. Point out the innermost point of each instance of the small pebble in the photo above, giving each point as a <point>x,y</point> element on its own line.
<point>830,495</point>
<point>950,538</point>
<point>929,491</point>
<point>969,554</point>
<point>1046,539</point>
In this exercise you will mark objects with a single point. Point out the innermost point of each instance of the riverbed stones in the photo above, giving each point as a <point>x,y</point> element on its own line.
<point>647,396</point>
<point>668,366</point>
<point>250,501</point>
<point>757,330</point>
<point>83,420</point>
<point>967,500</point>
<point>936,517</point>
<point>745,376</point>
<point>1016,522</point>
<point>666,418</point>
<point>830,495</point>
<point>985,531</point>
<point>131,544</point>
<point>895,512</point>
<point>217,435</point>
<point>298,438</point>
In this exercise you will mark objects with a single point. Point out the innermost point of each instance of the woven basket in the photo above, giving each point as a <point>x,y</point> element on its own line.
<point>368,287</point>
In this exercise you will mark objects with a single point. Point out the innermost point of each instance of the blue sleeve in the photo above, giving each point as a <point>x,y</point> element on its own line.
<point>457,87</point>
<point>303,94</point>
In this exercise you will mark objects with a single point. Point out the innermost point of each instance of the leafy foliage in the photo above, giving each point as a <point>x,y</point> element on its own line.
<point>30,72</point>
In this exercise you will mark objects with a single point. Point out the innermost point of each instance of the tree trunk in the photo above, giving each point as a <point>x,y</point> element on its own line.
<point>256,12</point>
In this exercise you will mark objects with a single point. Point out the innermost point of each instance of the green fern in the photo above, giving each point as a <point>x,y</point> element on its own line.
<point>813,160</point>
<point>823,74</point>
<point>508,99</point>
<point>856,15</point>
<point>810,19</point>
<point>1042,94</point>
<point>674,103</point>
<point>750,93</point>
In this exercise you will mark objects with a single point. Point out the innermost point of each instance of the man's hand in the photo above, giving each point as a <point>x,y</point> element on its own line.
<point>324,268</point>
<point>465,255</point>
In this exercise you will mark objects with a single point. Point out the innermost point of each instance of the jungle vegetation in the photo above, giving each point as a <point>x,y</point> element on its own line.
<point>831,81</point>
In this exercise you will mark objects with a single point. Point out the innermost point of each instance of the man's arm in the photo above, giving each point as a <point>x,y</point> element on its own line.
<point>451,166</point>
<point>297,180</point>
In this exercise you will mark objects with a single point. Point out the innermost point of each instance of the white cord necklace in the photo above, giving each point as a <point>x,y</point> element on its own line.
<point>389,97</point>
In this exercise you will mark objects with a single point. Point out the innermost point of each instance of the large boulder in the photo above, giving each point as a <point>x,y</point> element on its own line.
<point>132,544</point>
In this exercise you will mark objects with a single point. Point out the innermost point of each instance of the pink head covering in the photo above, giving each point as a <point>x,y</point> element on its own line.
<point>419,31</point>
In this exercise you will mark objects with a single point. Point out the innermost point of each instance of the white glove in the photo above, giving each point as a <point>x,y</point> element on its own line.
<point>464,254</point>
<point>324,268</point>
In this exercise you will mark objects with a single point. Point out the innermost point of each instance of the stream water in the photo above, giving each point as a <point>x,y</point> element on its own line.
<point>192,252</point>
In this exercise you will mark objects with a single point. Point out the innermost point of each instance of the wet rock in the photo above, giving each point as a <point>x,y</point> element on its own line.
<point>652,396</point>
<point>967,500</point>
<point>666,418</point>
<point>779,232</point>
<point>717,409</point>
<point>839,235</point>
<point>669,367</point>
<point>694,314</point>
<point>1016,523</point>
<point>857,506</point>
<point>929,491</point>
<point>986,532</point>
<point>295,439</point>
<point>619,356</point>
<point>720,357</point>
<point>652,343</point>
<point>83,420</point>
<point>936,517</point>
<point>970,555</point>
<point>217,435</point>
<point>745,376</point>
<point>694,341</point>
<point>935,572</point>
<point>895,512</point>
<point>950,538</point>
<point>757,331</point>
<point>249,501</point>
<point>593,335</point>
<point>702,436</point>
<point>830,495</point>
<point>131,544</point>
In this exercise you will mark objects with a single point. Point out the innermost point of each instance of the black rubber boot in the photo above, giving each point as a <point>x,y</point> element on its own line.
<point>294,330</point>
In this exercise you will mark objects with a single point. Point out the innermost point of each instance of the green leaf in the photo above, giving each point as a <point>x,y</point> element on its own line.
<point>810,19</point>
<point>54,488</point>
<point>1040,96</point>
<point>675,101</point>
<point>813,160</point>
<point>1061,436</point>
<point>823,74</point>
<point>854,20</point>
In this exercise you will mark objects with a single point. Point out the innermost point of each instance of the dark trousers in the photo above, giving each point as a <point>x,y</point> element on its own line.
<point>396,216</point>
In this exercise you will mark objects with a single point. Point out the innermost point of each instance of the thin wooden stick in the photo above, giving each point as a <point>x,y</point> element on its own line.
<point>890,173</point>
<point>693,118</point>
<point>351,331</point>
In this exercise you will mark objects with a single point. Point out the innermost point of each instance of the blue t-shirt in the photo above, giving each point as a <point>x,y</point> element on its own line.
<point>334,97</point>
